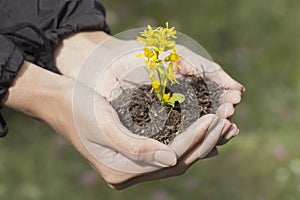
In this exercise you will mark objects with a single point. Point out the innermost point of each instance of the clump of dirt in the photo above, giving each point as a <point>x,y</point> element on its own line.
<point>140,111</point>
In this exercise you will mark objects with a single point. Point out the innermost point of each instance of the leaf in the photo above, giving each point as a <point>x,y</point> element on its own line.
<point>176,97</point>
<point>179,97</point>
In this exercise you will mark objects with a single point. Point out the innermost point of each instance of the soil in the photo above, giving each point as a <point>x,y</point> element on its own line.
<point>140,111</point>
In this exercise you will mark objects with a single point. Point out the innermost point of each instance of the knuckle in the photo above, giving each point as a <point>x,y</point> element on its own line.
<point>137,151</point>
<point>137,148</point>
<point>142,146</point>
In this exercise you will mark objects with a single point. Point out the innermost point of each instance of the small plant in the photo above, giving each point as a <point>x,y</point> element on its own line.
<point>162,58</point>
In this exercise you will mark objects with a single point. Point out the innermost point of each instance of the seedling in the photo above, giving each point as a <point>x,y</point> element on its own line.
<point>162,59</point>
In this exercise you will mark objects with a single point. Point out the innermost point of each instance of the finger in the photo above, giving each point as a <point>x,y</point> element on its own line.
<point>193,63</point>
<point>223,79</point>
<point>186,68</point>
<point>231,96</point>
<point>134,147</point>
<point>229,134</point>
<point>225,110</point>
<point>195,133</point>
<point>214,152</point>
<point>122,74</point>
<point>208,144</point>
<point>212,138</point>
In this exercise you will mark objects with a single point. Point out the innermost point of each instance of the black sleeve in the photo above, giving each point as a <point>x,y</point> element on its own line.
<point>32,29</point>
<point>11,60</point>
<point>37,26</point>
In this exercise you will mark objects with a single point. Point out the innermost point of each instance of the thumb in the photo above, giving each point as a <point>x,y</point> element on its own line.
<point>134,147</point>
<point>98,125</point>
<point>139,148</point>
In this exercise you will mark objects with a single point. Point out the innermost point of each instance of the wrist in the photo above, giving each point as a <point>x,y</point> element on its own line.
<point>74,50</point>
<point>35,90</point>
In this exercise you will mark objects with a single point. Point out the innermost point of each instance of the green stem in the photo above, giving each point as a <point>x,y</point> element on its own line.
<point>162,86</point>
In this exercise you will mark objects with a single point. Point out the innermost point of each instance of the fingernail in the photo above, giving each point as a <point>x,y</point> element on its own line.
<point>237,132</point>
<point>229,111</point>
<point>165,158</point>
<point>233,132</point>
<point>244,89</point>
<point>236,98</point>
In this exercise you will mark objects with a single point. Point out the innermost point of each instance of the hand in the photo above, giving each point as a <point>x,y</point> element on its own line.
<point>50,100</point>
<point>119,157</point>
<point>127,70</point>
<point>124,159</point>
<point>193,63</point>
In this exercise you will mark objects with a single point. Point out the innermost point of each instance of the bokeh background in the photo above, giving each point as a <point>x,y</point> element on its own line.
<point>257,43</point>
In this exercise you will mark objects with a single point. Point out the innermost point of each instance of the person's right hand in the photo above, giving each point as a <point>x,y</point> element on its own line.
<point>124,159</point>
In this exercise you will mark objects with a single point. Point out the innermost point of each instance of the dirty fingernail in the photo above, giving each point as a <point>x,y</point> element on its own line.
<point>165,158</point>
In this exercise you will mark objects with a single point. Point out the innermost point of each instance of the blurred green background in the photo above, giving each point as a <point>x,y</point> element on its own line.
<point>257,43</point>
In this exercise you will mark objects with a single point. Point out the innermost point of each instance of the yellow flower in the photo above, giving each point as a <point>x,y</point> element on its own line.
<point>148,53</point>
<point>171,76</point>
<point>153,65</point>
<point>151,42</point>
<point>166,97</point>
<point>161,38</point>
<point>155,84</point>
<point>174,57</point>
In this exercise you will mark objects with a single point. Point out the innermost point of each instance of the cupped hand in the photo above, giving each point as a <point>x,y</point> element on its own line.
<point>122,158</point>
<point>194,64</point>
<point>126,155</point>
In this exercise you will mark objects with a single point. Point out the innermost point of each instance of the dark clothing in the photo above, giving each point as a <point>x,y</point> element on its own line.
<point>32,29</point>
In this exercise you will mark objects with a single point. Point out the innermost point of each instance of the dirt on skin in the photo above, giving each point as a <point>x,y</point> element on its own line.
<point>140,111</point>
